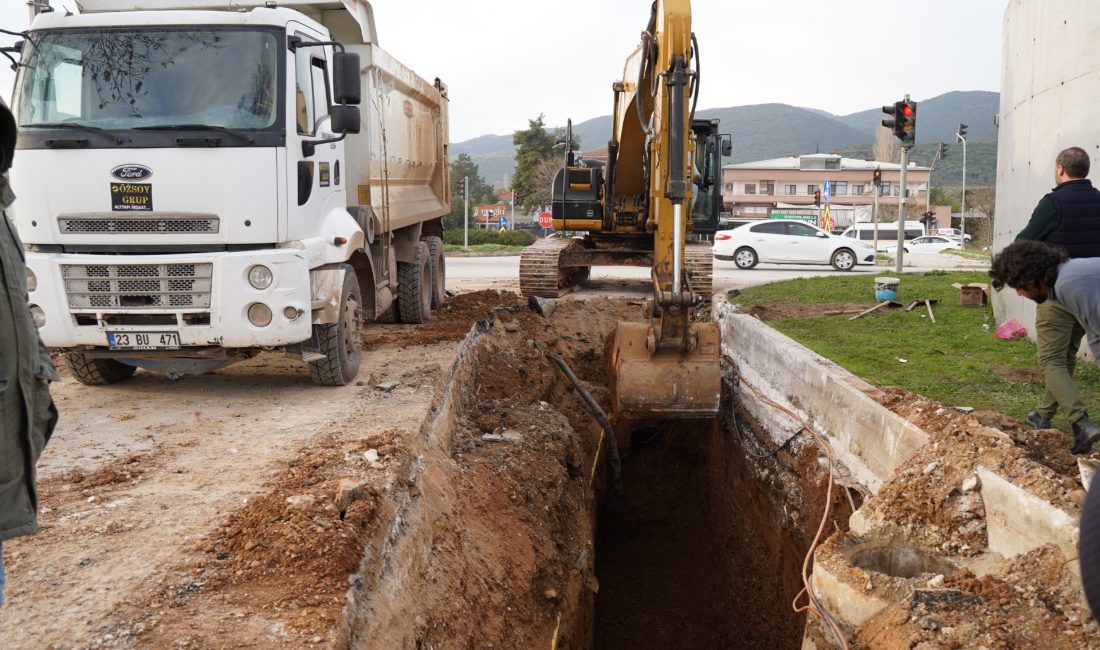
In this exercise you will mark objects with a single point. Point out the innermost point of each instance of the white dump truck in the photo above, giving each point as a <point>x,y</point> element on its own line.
<point>200,180</point>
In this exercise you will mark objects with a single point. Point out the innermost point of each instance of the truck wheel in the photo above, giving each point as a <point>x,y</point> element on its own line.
<point>92,371</point>
<point>414,287</point>
<point>341,342</point>
<point>439,270</point>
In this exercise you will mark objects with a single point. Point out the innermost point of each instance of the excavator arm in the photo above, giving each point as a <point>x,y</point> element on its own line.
<point>667,366</point>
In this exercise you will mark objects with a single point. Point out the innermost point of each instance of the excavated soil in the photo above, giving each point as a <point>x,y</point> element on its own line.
<point>493,523</point>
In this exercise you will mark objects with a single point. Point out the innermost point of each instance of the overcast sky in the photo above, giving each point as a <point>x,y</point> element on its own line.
<point>506,61</point>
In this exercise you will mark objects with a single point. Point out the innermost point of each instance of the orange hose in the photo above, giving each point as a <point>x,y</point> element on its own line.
<point>811,605</point>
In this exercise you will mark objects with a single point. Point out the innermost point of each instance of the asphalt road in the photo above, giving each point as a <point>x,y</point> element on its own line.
<point>502,272</point>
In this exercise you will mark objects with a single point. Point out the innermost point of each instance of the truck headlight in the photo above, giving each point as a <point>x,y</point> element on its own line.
<point>32,281</point>
<point>38,316</point>
<point>260,276</point>
<point>259,314</point>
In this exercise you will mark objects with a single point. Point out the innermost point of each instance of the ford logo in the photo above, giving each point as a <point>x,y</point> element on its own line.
<point>131,172</point>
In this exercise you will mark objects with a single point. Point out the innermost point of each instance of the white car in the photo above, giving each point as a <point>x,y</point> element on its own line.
<point>926,244</point>
<point>786,241</point>
<point>952,233</point>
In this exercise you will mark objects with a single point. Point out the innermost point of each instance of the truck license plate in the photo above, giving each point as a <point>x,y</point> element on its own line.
<point>143,340</point>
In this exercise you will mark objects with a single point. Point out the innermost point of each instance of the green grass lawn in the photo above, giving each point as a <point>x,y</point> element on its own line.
<point>955,360</point>
<point>970,253</point>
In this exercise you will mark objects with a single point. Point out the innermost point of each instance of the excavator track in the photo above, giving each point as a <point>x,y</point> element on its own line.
<point>540,270</point>
<point>699,264</point>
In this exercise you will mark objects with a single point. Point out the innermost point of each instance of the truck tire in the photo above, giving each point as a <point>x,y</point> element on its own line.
<point>341,342</point>
<point>92,371</point>
<point>439,270</point>
<point>414,287</point>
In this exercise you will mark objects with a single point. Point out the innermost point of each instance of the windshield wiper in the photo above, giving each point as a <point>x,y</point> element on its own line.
<point>194,127</point>
<point>74,125</point>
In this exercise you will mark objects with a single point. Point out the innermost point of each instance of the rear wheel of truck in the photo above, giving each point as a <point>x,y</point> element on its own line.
<point>341,342</point>
<point>414,287</point>
<point>439,270</point>
<point>93,371</point>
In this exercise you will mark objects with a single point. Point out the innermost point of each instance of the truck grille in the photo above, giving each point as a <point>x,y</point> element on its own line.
<point>116,225</point>
<point>137,286</point>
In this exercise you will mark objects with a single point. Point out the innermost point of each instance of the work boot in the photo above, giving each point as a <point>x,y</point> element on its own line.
<point>1038,421</point>
<point>1085,433</point>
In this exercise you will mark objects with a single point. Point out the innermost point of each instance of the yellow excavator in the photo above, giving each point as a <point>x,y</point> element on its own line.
<point>659,186</point>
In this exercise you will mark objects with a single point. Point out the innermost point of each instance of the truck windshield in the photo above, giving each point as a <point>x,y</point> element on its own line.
<point>125,79</point>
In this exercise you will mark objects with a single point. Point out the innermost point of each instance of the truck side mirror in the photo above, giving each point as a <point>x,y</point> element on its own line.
<point>727,147</point>
<point>345,119</point>
<point>345,78</point>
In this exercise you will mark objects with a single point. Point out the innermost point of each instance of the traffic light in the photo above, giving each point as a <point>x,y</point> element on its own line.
<point>943,150</point>
<point>515,196</point>
<point>906,129</point>
<point>904,122</point>
<point>892,111</point>
<point>876,178</point>
<point>817,197</point>
<point>461,189</point>
<point>960,135</point>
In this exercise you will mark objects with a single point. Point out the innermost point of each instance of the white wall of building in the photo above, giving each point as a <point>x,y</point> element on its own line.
<point>1050,82</point>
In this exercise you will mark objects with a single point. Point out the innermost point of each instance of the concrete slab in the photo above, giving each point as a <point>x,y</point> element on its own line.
<point>870,440</point>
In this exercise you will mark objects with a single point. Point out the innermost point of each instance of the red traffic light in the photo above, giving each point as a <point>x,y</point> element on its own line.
<point>907,109</point>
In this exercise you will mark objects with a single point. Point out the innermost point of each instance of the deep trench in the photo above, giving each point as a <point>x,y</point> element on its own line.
<point>692,553</point>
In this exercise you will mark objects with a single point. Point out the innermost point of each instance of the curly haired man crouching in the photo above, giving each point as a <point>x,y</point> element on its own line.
<point>1038,272</point>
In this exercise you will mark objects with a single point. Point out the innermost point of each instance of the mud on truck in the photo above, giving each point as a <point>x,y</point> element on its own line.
<point>205,180</point>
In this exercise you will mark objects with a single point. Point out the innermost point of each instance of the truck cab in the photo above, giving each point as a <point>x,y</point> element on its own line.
<point>195,186</point>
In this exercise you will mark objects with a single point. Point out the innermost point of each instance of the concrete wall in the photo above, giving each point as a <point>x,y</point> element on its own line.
<point>870,440</point>
<point>1050,79</point>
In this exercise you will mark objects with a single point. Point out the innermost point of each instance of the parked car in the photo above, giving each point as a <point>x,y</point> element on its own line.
<point>952,233</point>
<point>785,241</point>
<point>927,244</point>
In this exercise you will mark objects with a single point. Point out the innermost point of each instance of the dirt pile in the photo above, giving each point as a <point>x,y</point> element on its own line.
<point>1033,602</point>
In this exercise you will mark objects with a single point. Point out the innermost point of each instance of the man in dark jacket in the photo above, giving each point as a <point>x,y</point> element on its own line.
<point>1067,218</point>
<point>27,413</point>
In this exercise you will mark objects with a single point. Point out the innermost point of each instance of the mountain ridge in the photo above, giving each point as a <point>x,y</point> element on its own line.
<point>774,130</point>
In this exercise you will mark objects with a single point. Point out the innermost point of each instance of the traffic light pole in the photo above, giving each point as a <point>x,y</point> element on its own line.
<point>962,226</point>
<point>512,226</point>
<point>901,205</point>
<point>466,213</point>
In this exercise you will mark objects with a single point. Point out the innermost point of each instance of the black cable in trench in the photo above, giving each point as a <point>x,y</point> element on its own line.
<point>601,417</point>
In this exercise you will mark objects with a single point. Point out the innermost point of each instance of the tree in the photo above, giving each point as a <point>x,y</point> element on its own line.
<point>480,191</point>
<point>535,146</point>
<point>886,148</point>
<point>543,181</point>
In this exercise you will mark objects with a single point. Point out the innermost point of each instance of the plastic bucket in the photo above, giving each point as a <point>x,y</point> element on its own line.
<point>886,288</point>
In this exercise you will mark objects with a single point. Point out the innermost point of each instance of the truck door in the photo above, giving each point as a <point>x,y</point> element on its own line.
<point>313,179</point>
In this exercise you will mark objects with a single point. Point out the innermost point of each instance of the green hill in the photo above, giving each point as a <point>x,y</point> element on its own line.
<point>765,131</point>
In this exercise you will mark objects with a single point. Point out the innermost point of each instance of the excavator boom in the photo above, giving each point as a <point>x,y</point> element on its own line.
<point>640,209</point>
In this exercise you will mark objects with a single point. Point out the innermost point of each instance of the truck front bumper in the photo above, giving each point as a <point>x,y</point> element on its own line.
<point>204,297</point>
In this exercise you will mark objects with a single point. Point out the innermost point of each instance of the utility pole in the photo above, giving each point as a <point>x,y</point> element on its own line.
<point>960,136</point>
<point>904,126</point>
<point>876,184</point>
<point>466,213</point>
<point>901,205</point>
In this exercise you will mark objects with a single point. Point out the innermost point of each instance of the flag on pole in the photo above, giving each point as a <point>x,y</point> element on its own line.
<point>826,220</point>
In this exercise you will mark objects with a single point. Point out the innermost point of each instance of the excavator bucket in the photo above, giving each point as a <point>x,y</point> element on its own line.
<point>664,384</point>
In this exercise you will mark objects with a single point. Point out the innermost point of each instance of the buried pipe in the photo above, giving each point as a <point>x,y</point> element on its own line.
<point>601,417</point>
